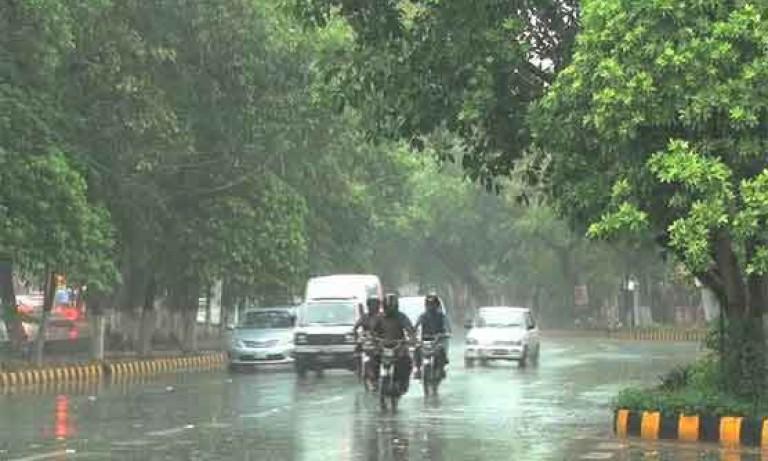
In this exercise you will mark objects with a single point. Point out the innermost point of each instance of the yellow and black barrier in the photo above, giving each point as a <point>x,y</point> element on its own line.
<point>727,430</point>
<point>43,376</point>
<point>39,379</point>
<point>165,365</point>
<point>659,334</point>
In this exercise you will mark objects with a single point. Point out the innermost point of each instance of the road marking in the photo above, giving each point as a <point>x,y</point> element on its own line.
<point>328,400</point>
<point>610,446</point>
<point>597,455</point>
<point>131,443</point>
<point>261,414</point>
<point>171,431</point>
<point>217,425</point>
<point>53,454</point>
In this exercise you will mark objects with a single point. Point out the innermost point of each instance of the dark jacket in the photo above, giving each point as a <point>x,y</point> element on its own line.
<point>392,328</point>
<point>433,323</point>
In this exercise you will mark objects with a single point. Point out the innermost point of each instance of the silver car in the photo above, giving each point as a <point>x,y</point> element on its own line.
<point>265,336</point>
<point>502,333</point>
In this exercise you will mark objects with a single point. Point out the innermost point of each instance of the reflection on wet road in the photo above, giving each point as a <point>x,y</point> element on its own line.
<point>559,410</point>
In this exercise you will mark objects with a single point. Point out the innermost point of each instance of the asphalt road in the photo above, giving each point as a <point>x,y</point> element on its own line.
<point>559,410</point>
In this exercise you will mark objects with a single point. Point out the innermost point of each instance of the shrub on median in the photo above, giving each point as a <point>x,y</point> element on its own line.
<point>695,389</point>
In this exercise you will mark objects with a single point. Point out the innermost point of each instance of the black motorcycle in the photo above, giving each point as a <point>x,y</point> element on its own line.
<point>432,364</point>
<point>365,365</point>
<point>390,389</point>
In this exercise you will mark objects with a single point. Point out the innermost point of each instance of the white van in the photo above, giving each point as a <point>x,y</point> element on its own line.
<point>332,305</point>
<point>354,287</point>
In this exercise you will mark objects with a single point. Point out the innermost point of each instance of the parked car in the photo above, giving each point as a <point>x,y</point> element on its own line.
<point>265,336</point>
<point>502,333</point>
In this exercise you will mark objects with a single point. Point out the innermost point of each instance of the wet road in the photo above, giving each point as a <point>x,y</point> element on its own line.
<point>559,410</point>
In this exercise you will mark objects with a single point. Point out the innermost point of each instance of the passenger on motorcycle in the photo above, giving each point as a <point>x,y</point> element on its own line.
<point>433,324</point>
<point>395,326</point>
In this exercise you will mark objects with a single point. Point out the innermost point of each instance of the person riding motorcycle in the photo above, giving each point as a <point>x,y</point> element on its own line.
<point>395,326</point>
<point>365,322</point>
<point>433,323</point>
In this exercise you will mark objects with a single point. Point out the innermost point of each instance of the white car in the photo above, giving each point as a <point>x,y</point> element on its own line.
<point>502,333</point>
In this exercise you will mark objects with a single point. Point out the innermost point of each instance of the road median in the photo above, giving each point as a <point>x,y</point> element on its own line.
<point>657,334</point>
<point>726,430</point>
<point>26,378</point>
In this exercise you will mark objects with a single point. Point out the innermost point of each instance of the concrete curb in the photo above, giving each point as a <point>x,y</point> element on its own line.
<point>37,376</point>
<point>730,431</point>
<point>39,379</point>
<point>659,334</point>
<point>165,365</point>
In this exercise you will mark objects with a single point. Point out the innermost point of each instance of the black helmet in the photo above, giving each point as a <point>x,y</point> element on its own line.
<point>390,304</point>
<point>432,301</point>
<point>373,304</point>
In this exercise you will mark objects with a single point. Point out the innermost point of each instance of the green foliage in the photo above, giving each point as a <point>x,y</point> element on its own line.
<point>472,67</point>
<point>695,389</point>
<point>660,105</point>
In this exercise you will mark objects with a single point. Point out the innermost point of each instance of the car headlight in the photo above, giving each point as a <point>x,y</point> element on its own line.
<point>300,338</point>
<point>472,342</point>
<point>349,338</point>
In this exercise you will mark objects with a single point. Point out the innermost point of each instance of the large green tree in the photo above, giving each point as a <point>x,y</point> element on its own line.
<point>659,123</point>
<point>470,66</point>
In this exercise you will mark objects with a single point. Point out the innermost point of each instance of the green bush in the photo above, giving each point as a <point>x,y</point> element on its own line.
<point>695,389</point>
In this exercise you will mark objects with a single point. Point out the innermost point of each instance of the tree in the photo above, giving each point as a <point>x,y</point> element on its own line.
<point>47,221</point>
<point>658,124</point>
<point>473,67</point>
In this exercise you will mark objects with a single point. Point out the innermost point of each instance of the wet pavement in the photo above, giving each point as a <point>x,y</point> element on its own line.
<point>559,410</point>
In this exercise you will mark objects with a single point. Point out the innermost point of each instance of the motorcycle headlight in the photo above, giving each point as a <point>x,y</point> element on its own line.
<point>300,338</point>
<point>472,342</point>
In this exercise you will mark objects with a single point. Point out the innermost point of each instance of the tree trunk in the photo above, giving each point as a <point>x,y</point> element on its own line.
<point>96,308</point>
<point>99,324</point>
<point>8,308</point>
<point>188,307</point>
<point>50,292</point>
<point>148,319</point>
<point>742,346</point>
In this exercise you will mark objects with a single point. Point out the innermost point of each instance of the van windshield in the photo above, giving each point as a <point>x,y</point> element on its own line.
<point>328,314</point>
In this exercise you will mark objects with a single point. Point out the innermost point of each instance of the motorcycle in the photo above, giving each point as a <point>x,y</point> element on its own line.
<point>365,372</point>
<point>390,389</point>
<point>432,371</point>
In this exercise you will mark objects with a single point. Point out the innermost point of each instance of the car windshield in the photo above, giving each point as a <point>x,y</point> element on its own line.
<point>500,319</point>
<point>328,314</point>
<point>267,320</point>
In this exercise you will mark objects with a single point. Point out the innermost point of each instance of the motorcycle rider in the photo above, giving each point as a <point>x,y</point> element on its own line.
<point>395,326</point>
<point>365,322</point>
<point>433,322</point>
